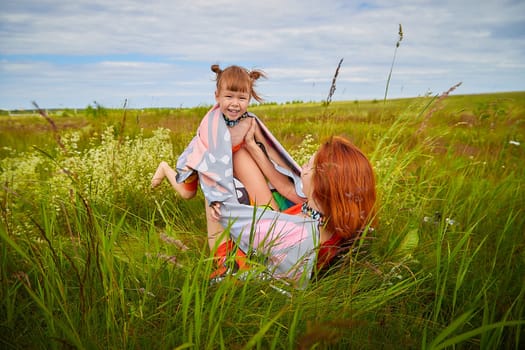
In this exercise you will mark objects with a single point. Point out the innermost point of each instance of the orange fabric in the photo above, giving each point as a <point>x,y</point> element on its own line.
<point>294,209</point>
<point>237,147</point>
<point>191,186</point>
<point>223,251</point>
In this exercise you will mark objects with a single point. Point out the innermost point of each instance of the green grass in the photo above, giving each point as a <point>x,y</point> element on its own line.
<point>85,262</point>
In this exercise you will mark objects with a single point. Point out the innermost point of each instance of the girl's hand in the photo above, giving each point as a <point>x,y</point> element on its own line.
<point>238,132</point>
<point>249,138</point>
<point>215,211</point>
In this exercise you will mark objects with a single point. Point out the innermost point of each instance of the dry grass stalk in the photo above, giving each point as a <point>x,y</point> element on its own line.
<point>400,33</point>
<point>53,126</point>
<point>332,87</point>
<point>123,124</point>
<point>176,242</point>
<point>436,107</point>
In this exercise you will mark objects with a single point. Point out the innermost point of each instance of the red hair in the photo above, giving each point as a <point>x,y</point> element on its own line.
<point>344,187</point>
<point>237,78</point>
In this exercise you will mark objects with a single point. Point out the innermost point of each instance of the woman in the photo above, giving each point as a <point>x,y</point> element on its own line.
<point>339,185</point>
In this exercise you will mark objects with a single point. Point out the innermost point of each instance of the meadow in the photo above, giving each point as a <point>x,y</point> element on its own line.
<point>92,258</point>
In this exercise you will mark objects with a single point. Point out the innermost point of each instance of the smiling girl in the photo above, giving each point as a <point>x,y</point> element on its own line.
<point>220,159</point>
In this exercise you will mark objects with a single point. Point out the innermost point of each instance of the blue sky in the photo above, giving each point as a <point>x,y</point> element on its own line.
<point>158,54</point>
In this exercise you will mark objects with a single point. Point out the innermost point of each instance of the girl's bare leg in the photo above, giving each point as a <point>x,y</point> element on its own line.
<point>165,171</point>
<point>215,230</point>
<point>247,171</point>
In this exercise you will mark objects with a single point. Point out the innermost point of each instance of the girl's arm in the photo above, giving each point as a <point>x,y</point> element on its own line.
<point>280,181</point>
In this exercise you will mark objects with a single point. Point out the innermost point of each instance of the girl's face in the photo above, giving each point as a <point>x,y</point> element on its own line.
<point>307,176</point>
<point>233,104</point>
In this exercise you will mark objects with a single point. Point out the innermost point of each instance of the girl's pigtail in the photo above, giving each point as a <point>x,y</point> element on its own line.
<point>256,74</point>
<point>216,69</point>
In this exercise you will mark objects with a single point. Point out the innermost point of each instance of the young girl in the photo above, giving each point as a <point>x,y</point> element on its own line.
<point>217,153</point>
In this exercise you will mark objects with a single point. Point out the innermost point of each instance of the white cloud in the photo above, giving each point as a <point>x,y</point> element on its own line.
<point>74,52</point>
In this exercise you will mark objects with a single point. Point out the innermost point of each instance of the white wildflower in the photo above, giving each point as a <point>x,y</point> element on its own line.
<point>450,221</point>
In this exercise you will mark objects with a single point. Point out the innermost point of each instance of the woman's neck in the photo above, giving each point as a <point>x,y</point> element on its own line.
<point>324,235</point>
<point>312,210</point>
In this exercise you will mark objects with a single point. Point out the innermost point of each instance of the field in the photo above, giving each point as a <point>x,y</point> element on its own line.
<point>92,258</point>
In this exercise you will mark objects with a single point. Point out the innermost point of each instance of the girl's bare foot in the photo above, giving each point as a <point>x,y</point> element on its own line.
<point>155,182</point>
<point>158,176</point>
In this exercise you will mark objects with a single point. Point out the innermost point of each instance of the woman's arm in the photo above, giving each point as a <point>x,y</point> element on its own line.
<point>280,181</point>
<point>270,150</point>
